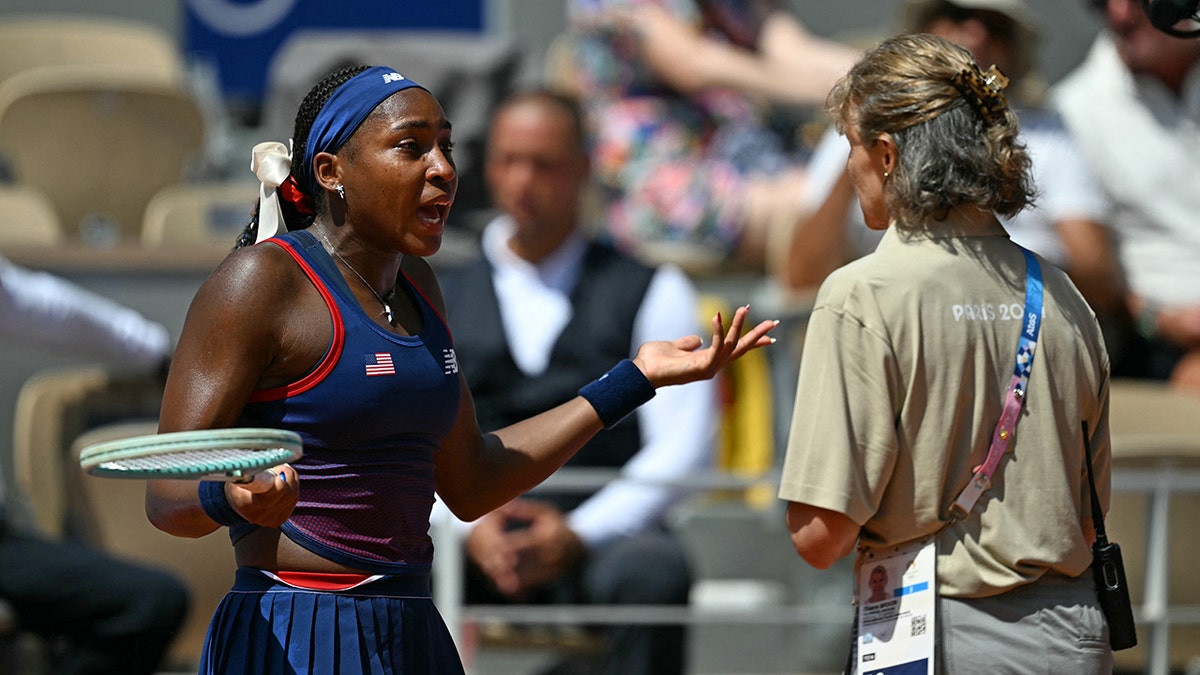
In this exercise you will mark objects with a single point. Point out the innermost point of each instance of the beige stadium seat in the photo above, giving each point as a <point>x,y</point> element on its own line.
<point>46,409</point>
<point>1153,515</point>
<point>27,218</point>
<point>59,412</point>
<point>559,71</point>
<point>112,517</point>
<point>35,40</point>
<point>99,142</point>
<point>53,407</point>
<point>199,214</point>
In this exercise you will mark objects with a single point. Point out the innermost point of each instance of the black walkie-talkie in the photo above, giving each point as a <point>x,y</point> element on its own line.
<point>1109,571</point>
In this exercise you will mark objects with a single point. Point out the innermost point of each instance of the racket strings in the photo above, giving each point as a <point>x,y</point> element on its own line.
<point>204,454</point>
<point>210,461</point>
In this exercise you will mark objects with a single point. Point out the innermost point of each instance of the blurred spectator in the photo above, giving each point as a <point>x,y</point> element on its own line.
<point>97,614</point>
<point>41,309</point>
<point>1133,106</point>
<point>568,307</point>
<point>1065,224</point>
<point>674,94</point>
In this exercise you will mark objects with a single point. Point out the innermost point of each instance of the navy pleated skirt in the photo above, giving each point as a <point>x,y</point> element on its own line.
<point>386,627</point>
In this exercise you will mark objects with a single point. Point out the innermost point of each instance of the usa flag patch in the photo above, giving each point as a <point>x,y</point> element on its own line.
<point>380,364</point>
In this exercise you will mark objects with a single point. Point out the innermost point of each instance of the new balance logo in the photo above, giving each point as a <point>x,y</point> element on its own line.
<point>388,78</point>
<point>380,364</point>
<point>450,361</point>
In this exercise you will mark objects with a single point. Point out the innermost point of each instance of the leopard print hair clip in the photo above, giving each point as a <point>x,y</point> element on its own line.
<point>984,91</point>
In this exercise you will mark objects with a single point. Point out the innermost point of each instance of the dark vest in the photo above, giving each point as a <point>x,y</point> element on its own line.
<point>606,300</point>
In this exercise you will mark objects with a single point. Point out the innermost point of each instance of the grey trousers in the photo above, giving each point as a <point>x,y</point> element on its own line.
<point>1051,626</point>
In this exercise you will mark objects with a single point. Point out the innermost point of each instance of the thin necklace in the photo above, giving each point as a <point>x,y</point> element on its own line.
<point>387,309</point>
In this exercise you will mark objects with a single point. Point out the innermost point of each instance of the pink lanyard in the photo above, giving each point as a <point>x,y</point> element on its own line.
<point>1014,399</point>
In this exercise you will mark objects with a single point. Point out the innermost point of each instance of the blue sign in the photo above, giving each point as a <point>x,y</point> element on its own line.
<point>240,37</point>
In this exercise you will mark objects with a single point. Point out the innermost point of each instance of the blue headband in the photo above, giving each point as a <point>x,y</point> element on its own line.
<point>343,112</point>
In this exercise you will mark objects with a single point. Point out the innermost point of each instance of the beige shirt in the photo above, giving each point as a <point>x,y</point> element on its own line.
<point>907,358</point>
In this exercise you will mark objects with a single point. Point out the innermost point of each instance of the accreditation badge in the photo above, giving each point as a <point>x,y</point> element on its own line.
<point>897,599</point>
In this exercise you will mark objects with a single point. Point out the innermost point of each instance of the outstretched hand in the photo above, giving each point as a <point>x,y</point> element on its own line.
<point>682,361</point>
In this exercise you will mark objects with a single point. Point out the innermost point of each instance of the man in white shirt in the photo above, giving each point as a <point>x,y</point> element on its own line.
<point>1133,107</point>
<point>569,306</point>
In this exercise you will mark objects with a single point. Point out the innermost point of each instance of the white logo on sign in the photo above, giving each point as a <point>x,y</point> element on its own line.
<point>241,19</point>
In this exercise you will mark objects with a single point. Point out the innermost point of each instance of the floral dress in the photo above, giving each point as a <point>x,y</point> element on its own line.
<point>672,168</point>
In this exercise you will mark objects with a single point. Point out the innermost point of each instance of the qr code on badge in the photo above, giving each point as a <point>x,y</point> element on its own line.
<point>918,625</point>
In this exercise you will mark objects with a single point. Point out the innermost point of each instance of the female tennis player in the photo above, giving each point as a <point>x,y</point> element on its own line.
<point>332,327</point>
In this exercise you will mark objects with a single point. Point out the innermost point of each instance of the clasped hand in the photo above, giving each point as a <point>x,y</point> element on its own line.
<point>269,499</point>
<point>523,545</point>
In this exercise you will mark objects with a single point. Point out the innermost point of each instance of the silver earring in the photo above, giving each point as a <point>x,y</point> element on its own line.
<point>341,191</point>
<point>885,175</point>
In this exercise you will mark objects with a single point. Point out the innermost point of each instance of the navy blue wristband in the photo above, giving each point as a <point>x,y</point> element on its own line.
<point>216,505</point>
<point>618,392</point>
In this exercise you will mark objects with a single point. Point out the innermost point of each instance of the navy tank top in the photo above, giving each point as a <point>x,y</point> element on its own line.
<point>371,413</point>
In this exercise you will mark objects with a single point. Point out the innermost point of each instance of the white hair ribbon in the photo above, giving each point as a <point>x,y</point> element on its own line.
<point>271,162</point>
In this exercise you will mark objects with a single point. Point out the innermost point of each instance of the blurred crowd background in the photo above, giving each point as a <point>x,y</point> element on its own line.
<point>140,214</point>
<point>247,93</point>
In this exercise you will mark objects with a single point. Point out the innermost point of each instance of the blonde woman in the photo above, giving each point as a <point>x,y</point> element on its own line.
<point>909,362</point>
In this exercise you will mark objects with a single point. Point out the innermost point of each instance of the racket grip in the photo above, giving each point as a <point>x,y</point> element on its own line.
<point>259,482</point>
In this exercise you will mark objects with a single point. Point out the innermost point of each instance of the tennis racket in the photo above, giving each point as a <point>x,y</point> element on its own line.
<point>237,455</point>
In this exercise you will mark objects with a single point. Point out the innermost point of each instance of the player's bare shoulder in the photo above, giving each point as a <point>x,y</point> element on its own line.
<point>255,277</point>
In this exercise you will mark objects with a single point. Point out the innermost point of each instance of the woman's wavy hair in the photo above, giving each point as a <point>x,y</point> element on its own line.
<point>305,116</point>
<point>950,154</point>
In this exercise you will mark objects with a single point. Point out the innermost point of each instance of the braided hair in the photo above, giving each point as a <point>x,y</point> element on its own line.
<point>305,116</point>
